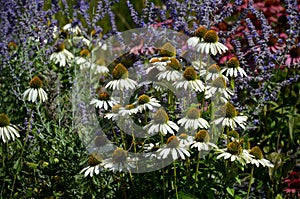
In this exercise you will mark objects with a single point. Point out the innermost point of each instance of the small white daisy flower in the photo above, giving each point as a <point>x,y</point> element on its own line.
<point>230,117</point>
<point>72,28</point>
<point>233,68</point>
<point>94,167</point>
<point>8,131</point>
<point>104,101</point>
<point>189,81</point>
<point>61,56</point>
<point>201,141</point>
<point>35,91</point>
<point>86,64</point>
<point>218,86</point>
<point>211,44</point>
<point>121,80</point>
<point>193,120</point>
<point>161,123</point>
<point>119,161</point>
<point>258,158</point>
<point>174,149</point>
<point>145,102</point>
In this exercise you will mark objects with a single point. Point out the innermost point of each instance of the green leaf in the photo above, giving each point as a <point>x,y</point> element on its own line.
<point>291,127</point>
<point>230,191</point>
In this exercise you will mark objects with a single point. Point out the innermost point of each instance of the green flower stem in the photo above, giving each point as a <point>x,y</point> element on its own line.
<point>250,182</point>
<point>197,170</point>
<point>20,164</point>
<point>175,184</point>
<point>163,171</point>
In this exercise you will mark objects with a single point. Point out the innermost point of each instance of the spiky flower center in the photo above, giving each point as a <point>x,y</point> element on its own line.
<point>94,159</point>
<point>256,152</point>
<point>201,136</point>
<point>200,32</point>
<point>211,37</point>
<point>173,142</point>
<point>84,53</point>
<point>100,141</point>
<point>161,117</point>
<point>159,59</point>
<point>183,136</point>
<point>103,96</point>
<point>214,68</point>
<point>234,148</point>
<point>4,120</point>
<point>272,41</point>
<point>143,99</point>
<point>12,45</point>
<point>233,63</point>
<point>219,82</point>
<point>100,62</point>
<point>233,134</point>
<point>119,155</point>
<point>295,52</point>
<point>245,143</point>
<point>60,47</point>
<point>190,74</point>
<point>193,113</point>
<point>168,50</point>
<point>120,71</point>
<point>229,111</point>
<point>35,82</point>
<point>129,106</point>
<point>174,64</point>
<point>116,108</point>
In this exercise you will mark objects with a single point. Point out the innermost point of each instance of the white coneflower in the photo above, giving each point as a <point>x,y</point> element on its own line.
<point>94,167</point>
<point>197,38</point>
<point>185,140</point>
<point>201,141</point>
<point>121,80</point>
<point>233,68</point>
<point>104,101</point>
<point>161,123</point>
<point>72,27</point>
<point>146,103</point>
<point>114,114</point>
<point>158,63</point>
<point>218,86</point>
<point>173,148</point>
<point>211,44</point>
<point>35,91</point>
<point>211,73</point>
<point>86,63</point>
<point>61,55</point>
<point>235,152</point>
<point>8,131</point>
<point>258,158</point>
<point>189,81</point>
<point>172,71</point>
<point>230,117</point>
<point>119,161</point>
<point>128,110</point>
<point>193,120</point>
